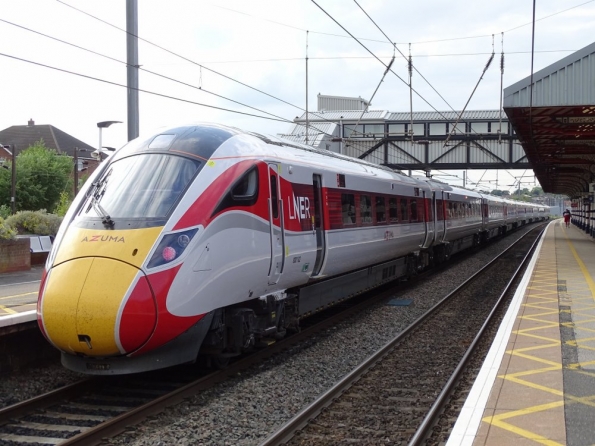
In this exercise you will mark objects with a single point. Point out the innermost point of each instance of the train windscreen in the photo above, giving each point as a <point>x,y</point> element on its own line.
<point>144,186</point>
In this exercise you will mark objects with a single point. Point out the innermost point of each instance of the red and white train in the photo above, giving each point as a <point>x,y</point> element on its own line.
<point>208,239</point>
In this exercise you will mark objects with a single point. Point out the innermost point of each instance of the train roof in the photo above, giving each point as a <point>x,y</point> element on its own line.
<point>184,139</point>
<point>215,134</point>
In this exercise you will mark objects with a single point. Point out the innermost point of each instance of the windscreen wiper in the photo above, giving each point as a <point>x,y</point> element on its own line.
<point>97,191</point>
<point>105,218</point>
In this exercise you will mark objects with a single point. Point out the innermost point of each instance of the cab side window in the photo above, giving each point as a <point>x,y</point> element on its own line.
<point>243,192</point>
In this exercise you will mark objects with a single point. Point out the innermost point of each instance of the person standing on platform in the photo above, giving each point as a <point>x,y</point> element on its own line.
<point>566,214</point>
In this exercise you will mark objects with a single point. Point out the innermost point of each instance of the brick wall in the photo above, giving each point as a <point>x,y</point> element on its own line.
<point>15,255</point>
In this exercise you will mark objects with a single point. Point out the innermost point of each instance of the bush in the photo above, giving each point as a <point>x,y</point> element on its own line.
<point>34,222</point>
<point>5,211</point>
<point>6,232</point>
<point>63,204</point>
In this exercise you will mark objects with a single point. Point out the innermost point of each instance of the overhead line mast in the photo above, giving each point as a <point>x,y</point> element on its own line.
<point>132,67</point>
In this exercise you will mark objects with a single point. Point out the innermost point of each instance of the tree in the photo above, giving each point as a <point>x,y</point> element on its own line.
<point>537,191</point>
<point>521,192</point>
<point>41,175</point>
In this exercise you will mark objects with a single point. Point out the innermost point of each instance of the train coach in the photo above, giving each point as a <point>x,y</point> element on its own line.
<point>205,239</point>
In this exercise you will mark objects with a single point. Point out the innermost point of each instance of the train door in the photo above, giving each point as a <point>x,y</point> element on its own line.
<point>442,227</point>
<point>276,222</point>
<point>318,224</point>
<point>428,220</point>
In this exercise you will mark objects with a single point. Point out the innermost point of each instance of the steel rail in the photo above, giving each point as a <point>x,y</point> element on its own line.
<point>47,399</point>
<point>425,429</point>
<point>288,430</point>
<point>119,423</point>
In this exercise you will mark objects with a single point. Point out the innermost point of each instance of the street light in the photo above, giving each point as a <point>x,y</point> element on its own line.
<point>76,168</point>
<point>14,177</point>
<point>102,125</point>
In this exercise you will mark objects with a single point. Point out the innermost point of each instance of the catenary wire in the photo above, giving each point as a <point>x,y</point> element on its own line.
<point>486,67</point>
<point>189,60</point>
<point>400,43</point>
<point>395,46</point>
<point>313,113</point>
<point>320,58</point>
<point>151,72</point>
<point>301,59</point>
<point>401,53</point>
<point>140,68</point>
<point>376,57</point>
<point>141,90</point>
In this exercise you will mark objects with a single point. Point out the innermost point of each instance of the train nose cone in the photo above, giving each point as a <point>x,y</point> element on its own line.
<point>84,304</point>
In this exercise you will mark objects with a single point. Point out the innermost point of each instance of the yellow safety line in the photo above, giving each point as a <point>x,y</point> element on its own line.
<point>18,295</point>
<point>555,343</point>
<point>498,420</point>
<point>528,410</point>
<point>523,382</point>
<point>533,372</point>
<point>535,316</point>
<point>8,310</point>
<point>526,331</point>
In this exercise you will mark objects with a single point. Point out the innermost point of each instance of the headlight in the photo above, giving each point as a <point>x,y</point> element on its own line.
<point>171,247</point>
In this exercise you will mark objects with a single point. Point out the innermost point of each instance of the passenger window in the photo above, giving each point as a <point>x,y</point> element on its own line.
<point>413,210</point>
<point>404,210</point>
<point>365,207</point>
<point>380,210</point>
<point>348,208</point>
<point>392,210</point>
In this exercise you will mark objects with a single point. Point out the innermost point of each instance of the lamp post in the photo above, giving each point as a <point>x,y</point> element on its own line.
<point>102,125</point>
<point>13,187</point>
<point>76,168</point>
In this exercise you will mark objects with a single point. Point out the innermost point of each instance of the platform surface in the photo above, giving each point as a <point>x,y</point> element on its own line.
<point>537,384</point>
<point>18,295</point>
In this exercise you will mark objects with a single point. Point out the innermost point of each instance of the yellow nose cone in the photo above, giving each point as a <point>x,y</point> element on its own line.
<point>81,303</point>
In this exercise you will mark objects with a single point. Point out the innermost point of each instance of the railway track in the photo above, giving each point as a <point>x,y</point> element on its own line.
<point>95,409</point>
<point>399,394</point>
<point>91,410</point>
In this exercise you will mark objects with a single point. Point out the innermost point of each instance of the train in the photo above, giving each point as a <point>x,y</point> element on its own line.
<point>207,241</point>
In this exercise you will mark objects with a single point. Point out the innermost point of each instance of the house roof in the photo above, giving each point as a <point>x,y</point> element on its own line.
<point>24,136</point>
<point>4,153</point>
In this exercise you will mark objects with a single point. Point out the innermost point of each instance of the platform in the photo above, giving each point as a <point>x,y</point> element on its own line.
<point>18,296</point>
<point>537,384</point>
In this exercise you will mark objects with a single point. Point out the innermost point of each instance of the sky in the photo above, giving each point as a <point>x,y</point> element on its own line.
<point>240,63</point>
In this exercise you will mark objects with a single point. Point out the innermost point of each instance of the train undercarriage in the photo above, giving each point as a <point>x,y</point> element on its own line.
<point>260,322</point>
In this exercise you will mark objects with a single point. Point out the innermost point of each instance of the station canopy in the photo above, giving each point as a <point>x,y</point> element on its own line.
<point>557,126</point>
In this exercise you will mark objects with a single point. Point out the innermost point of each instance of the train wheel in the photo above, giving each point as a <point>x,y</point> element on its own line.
<point>218,362</point>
